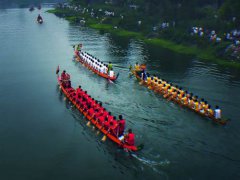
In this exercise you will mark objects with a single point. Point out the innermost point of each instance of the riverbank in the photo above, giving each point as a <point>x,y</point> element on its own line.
<point>200,53</point>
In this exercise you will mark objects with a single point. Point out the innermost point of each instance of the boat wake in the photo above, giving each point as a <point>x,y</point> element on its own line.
<point>151,163</point>
<point>154,165</point>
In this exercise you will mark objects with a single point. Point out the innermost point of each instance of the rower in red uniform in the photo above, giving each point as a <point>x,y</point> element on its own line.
<point>129,138</point>
<point>106,124</point>
<point>68,81</point>
<point>101,120</point>
<point>121,125</point>
<point>97,114</point>
<point>63,75</point>
<point>99,107</point>
<point>63,78</point>
<point>113,127</point>
<point>110,117</point>
<point>92,103</point>
<point>79,90</point>
<point>90,111</point>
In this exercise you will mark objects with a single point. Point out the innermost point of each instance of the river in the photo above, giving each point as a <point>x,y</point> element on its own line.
<point>42,137</point>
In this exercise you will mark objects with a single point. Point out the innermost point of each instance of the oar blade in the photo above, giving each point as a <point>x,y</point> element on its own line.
<point>89,123</point>
<point>104,138</point>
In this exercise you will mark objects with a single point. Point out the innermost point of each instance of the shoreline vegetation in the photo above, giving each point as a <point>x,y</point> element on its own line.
<point>204,54</point>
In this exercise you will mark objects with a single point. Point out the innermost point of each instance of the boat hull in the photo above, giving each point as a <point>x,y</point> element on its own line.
<point>79,59</point>
<point>219,121</point>
<point>95,123</point>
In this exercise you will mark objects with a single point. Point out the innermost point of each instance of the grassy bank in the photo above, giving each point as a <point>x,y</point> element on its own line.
<point>200,53</point>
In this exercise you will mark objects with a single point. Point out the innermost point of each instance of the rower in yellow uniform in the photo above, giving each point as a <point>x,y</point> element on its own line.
<point>149,80</point>
<point>196,105</point>
<point>201,106</point>
<point>210,112</point>
<point>155,84</point>
<point>137,67</point>
<point>159,86</point>
<point>184,100</point>
<point>191,103</point>
<point>174,95</point>
<point>150,86</point>
<point>168,92</point>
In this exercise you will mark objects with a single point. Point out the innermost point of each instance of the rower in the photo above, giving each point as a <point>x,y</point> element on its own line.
<point>110,117</point>
<point>210,112</point>
<point>78,49</point>
<point>191,103</point>
<point>149,81</point>
<point>217,113</point>
<point>121,125</point>
<point>201,105</point>
<point>63,75</point>
<point>196,105</point>
<point>129,138</point>
<point>113,125</point>
<point>105,69</point>
<point>143,75</point>
<point>174,94</point>
<point>90,111</point>
<point>101,119</point>
<point>154,84</point>
<point>65,79</point>
<point>106,123</point>
<point>180,95</point>
<point>68,82</point>
<point>79,46</point>
<point>78,90</point>
<point>184,99</point>
<point>111,73</point>
<point>110,67</point>
<point>205,107</point>
<point>159,86</point>
<point>137,67</point>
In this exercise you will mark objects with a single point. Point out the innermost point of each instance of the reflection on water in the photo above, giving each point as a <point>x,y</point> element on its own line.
<point>41,130</point>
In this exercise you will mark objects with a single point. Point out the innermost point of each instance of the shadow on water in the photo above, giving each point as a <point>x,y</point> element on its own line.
<point>118,46</point>
<point>161,60</point>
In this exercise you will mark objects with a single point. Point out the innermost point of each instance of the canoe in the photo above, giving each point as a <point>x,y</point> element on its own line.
<point>97,125</point>
<point>31,9</point>
<point>219,121</point>
<point>79,59</point>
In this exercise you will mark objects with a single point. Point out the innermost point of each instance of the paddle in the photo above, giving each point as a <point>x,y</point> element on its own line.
<point>89,122</point>
<point>166,95</point>
<point>170,98</point>
<point>140,147</point>
<point>105,135</point>
<point>100,129</point>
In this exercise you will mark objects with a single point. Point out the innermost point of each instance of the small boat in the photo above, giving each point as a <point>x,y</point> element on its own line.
<point>31,9</point>
<point>39,19</point>
<point>104,75</point>
<point>110,136</point>
<point>39,7</point>
<point>219,121</point>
